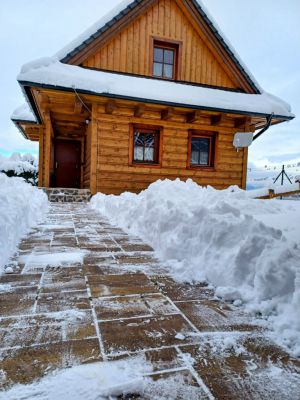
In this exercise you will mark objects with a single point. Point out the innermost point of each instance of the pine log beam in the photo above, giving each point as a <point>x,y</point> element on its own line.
<point>139,110</point>
<point>216,120</point>
<point>110,107</point>
<point>78,106</point>
<point>193,116</point>
<point>167,114</point>
<point>241,122</point>
<point>44,103</point>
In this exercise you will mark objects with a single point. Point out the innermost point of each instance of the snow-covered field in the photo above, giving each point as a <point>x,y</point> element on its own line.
<point>21,207</point>
<point>248,249</point>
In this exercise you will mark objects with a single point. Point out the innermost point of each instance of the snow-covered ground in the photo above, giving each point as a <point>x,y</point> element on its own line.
<point>248,249</point>
<point>21,207</point>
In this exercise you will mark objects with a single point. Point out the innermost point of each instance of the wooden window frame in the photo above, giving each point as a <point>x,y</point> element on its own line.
<point>213,137</point>
<point>166,44</point>
<point>158,130</point>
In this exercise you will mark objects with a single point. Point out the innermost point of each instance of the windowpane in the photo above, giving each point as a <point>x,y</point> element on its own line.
<point>200,151</point>
<point>169,56</point>
<point>149,154</point>
<point>138,153</point>
<point>194,157</point>
<point>168,71</point>
<point>158,54</point>
<point>158,69</point>
<point>144,147</point>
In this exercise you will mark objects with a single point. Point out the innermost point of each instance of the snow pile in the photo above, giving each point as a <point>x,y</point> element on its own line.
<point>50,71</point>
<point>103,380</point>
<point>91,382</point>
<point>21,206</point>
<point>218,236</point>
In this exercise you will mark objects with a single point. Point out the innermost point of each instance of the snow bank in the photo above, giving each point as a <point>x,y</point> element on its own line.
<point>21,206</point>
<point>218,236</point>
<point>52,72</point>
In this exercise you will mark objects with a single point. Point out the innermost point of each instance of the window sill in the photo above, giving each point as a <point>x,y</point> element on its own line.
<point>202,168</point>
<point>147,165</point>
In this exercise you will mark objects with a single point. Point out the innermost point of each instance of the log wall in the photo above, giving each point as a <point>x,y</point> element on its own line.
<point>115,174</point>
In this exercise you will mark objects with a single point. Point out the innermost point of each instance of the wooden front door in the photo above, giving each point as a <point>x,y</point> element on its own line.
<point>67,163</point>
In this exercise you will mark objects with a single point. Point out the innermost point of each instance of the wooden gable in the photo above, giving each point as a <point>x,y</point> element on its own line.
<point>129,50</point>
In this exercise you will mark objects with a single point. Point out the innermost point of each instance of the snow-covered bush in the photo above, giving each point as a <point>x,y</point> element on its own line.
<point>21,206</point>
<point>25,167</point>
<point>219,237</point>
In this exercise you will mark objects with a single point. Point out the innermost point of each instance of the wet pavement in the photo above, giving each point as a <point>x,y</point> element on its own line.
<point>83,291</point>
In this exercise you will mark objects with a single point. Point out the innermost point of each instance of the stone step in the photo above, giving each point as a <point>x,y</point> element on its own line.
<point>67,195</point>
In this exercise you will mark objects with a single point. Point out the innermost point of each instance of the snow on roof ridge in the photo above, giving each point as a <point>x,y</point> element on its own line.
<point>52,72</point>
<point>93,29</point>
<point>228,43</point>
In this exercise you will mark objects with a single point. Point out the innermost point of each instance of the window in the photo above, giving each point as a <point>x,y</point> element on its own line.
<point>164,60</point>
<point>145,146</point>
<point>201,150</point>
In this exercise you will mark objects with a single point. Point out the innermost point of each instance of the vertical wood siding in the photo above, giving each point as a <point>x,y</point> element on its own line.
<point>130,50</point>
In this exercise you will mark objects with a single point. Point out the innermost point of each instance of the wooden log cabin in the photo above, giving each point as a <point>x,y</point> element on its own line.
<point>151,91</point>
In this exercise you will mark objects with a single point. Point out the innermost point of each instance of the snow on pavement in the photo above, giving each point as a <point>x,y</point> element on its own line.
<point>225,238</point>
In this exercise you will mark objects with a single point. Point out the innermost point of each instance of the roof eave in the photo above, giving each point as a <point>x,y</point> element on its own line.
<point>26,85</point>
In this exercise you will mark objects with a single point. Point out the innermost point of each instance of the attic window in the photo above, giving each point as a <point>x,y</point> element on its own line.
<point>164,59</point>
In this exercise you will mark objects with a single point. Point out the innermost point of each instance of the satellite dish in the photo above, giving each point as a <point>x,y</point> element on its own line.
<point>242,139</point>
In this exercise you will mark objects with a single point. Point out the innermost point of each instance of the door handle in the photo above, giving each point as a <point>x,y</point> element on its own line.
<point>56,165</point>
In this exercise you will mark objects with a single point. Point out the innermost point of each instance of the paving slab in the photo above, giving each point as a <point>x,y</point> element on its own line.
<point>116,285</point>
<point>133,306</point>
<point>245,374</point>
<point>213,315</point>
<point>27,364</point>
<point>62,301</point>
<point>143,333</point>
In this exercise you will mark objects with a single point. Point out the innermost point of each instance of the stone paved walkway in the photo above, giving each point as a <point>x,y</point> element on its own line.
<point>84,291</point>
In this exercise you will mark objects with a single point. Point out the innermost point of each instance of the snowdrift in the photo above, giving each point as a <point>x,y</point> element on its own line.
<point>217,236</point>
<point>21,206</point>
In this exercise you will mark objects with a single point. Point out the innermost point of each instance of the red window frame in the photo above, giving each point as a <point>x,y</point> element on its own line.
<point>167,45</point>
<point>212,137</point>
<point>147,129</point>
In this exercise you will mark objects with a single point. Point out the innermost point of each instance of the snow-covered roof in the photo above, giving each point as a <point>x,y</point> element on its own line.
<point>124,8</point>
<point>90,33</point>
<point>23,113</point>
<point>50,72</point>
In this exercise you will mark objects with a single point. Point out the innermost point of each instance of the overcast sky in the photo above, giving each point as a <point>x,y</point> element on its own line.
<point>266,34</point>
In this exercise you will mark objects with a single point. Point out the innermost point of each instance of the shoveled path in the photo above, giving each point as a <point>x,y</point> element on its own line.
<point>84,291</point>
